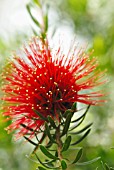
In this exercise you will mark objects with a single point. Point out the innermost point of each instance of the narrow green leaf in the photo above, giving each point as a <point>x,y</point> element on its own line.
<point>88,162</point>
<point>46,22</point>
<point>78,141</point>
<point>33,143</point>
<point>78,156</point>
<point>61,118</point>
<point>74,106</point>
<point>82,116</point>
<point>49,144</point>
<point>82,130</point>
<point>29,157</point>
<point>27,127</point>
<point>40,115</point>
<point>67,112</point>
<point>47,130</point>
<point>107,167</point>
<point>66,144</point>
<point>52,123</point>
<point>41,168</point>
<point>48,167</point>
<point>28,6</point>
<point>35,33</point>
<point>56,154</point>
<point>63,165</point>
<point>76,125</point>
<point>36,2</point>
<point>43,35</point>
<point>53,31</point>
<point>78,119</point>
<point>40,141</point>
<point>49,162</point>
<point>47,153</point>
<point>67,124</point>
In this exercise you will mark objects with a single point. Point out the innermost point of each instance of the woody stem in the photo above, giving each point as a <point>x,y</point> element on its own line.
<point>59,142</point>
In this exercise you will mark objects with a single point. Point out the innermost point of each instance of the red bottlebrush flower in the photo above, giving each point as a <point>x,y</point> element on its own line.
<point>47,81</point>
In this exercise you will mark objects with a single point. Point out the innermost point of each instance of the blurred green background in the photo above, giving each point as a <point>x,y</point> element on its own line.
<point>92,23</point>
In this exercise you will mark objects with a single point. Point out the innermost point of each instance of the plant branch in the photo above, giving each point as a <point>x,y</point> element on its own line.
<point>59,142</point>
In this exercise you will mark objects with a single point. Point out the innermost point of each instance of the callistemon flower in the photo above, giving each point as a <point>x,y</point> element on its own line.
<point>42,79</point>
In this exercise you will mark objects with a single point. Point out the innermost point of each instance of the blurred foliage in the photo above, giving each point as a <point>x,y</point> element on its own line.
<point>93,21</point>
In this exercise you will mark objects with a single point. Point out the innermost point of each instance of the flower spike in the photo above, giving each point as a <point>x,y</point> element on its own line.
<point>42,83</point>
